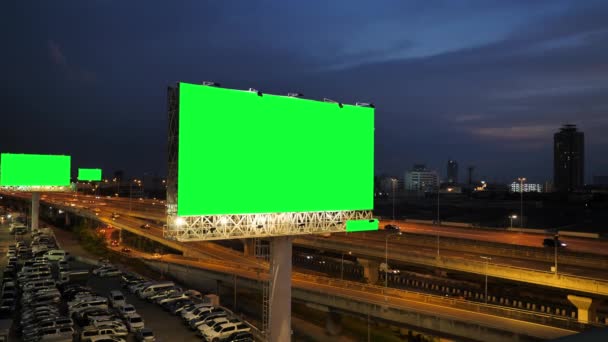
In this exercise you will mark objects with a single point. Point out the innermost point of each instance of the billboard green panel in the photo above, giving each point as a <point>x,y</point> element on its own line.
<point>361,225</point>
<point>91,175</point>
<point>242,153</point>
<point>34,170</point>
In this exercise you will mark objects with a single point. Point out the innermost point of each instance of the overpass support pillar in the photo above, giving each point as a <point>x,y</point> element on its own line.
<point>370,270</point>
<point>586,308</point>
<point>35,209</point>
<point>120,236</point>
<point>279,320</point>
<point>248,247</point>
<point>333,323</point>
<point>67,219</point>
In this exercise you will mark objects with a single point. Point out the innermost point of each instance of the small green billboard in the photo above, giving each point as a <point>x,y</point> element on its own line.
<point>34,170</point>
<point>89,175</point>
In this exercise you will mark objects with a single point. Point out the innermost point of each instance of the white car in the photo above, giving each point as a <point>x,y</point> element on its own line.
<point>119,328</point>
<point>126,310</point>
<point>134,322</point>
<point>107,271</point>
<point>208,326</point>
<point>116,299</point>
<point>224,330</point>
<point>104,338</point>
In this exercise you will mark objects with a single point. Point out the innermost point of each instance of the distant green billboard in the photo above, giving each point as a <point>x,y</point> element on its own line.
<point>244,152</point>
<point>361,225</point>
<point>90,175</point>
<point>34,170</point>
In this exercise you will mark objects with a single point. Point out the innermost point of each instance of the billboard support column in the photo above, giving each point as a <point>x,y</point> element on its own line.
<point>35,209</point>
<point>280,289</point>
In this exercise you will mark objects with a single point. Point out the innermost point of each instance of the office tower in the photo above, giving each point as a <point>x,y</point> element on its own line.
<point>568,159</point>
<point>452,172</point>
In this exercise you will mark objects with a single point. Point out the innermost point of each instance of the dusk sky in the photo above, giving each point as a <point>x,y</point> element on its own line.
<point>484,82</point>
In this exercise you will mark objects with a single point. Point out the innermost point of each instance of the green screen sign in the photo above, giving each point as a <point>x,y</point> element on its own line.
<point>34,170</point>
<point>241,153</point>
<point>91,175</point>
<point>361,225</point>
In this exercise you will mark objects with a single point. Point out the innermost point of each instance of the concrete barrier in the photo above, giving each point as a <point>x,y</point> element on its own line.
<point>579,234</point>
<point>456,224</point>
<point>528,230</point>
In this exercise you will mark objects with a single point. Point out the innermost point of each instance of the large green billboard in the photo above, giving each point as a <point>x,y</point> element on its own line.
<point>34,170</point>
<point>244,152</point>
<point>90,175</point>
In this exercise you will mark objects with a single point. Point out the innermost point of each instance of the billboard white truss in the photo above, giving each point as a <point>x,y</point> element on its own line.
<point>221,227</point>
<point>29,188</point>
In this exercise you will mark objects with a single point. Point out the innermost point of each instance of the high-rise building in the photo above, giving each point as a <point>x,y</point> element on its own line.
<point>421,179</point>
<point>452,172</point>
<point>527,187</point>
<point>568,159</point>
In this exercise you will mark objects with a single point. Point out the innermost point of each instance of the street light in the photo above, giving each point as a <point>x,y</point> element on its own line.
<point>555,242</point>
<point>386,256</point>
<point>438,218</point>
<point>394,181</point>
<point>486,259</point>
<point>342,267</point>
<point>521,205</point>
<point>512,217</point>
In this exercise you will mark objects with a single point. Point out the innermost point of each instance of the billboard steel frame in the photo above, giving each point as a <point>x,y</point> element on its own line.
<point>235,226</point>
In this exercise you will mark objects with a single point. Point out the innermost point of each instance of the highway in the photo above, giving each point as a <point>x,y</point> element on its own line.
<point>229,261</point>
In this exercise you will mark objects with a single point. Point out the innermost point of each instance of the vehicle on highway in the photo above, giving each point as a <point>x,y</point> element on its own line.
<point>126,250</point>
<point>156,256</point>
<point>116,299</point>
<point>134,322</point>
<point>552,242</point>
<point>145,335</point>
<point>145,226</point>
<point>114,243</point>
<point>392,227</point>
<point>115,215</point>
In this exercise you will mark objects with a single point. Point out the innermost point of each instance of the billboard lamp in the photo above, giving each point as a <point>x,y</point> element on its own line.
<point>365,104</point>
<point>211,84</point>
<point>295,94</point>
<point>256,91</point>
<point>332,101</point>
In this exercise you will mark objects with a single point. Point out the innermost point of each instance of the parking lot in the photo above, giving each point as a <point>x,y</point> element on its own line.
<point>166,326</point>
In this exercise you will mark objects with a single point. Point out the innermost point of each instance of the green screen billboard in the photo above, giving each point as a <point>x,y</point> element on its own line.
<point>91,175</point>
<point>34,170</point>
<point>241,152</point>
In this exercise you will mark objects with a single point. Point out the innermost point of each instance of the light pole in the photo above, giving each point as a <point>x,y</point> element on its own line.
<point>521,201</point>
<point>394,181</point>
<point>512,217</point>
<point>342,265</point>
<point>438,218</point>
<point>486,259</point>
<point>555,242</point>
<point>386,257</point>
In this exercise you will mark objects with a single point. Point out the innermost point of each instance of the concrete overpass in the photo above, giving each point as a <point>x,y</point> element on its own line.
<point>446,317</point>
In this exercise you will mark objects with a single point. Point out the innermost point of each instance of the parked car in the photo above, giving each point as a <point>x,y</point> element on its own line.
<point>145,335</point>
<point>126,310</point>
<point>242,336</point>
<point>134,322</point>
<point>225,330</point>
<point>116,299</point>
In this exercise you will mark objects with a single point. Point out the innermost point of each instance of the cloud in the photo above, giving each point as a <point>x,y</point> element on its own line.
<point>55,53</point>
<point>71,72</point>
<point>515,133</point>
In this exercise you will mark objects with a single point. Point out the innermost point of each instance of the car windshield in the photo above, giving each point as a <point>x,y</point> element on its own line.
<point>128,308</point>
<point>147,334</point>
<point>218,328</point>
<point>135,319</point>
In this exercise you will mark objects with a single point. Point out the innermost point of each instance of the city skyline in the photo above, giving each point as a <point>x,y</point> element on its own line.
<point>487,84</point>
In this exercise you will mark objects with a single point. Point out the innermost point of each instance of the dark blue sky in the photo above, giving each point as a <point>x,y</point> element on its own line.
<point>483,82</point>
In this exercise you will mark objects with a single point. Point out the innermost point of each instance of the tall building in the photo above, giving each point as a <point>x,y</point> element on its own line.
<point>452,172</point>
<point>527,187</point>
<point>419,178</point>
<point>568,159</point>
